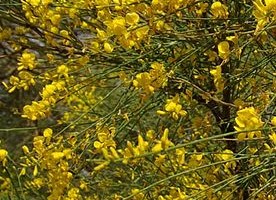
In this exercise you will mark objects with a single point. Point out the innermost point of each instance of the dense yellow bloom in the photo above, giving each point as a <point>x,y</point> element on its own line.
<point>73,194</point>
<point>248,119</point>
<point>264,12</point>
<point>24,80</point>
<point>143,80</point>
<point>105,138</point>
<point>47,132</point>
<point>57,155</point>
<point>117,26</point>
<point>154,79</point>
<point>37,110</point>
<point>33,2</point>
<point>26,61</point>
<point>219,10</point>
<point>48,91</point>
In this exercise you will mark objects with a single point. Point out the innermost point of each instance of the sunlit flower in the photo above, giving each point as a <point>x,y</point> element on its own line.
<point>248,119</point>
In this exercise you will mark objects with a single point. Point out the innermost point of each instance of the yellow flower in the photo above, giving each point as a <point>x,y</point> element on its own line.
<point>108,47</point>
<point>3,154</point>
<point>105,138</point>
<point>132,18</point>
<point>116,26</point>
<point>163,143</point>
<point>248,119</point>
<point>142,145</point>
<point>25,149</point>
<point>64,34</point>
<point>174,108</point>
<point>33,2</point>
<point>63,70</point>
<point>141,33</point>
<point>219,10</point>
<point>264,12</point>
<point>226,155</point>
<point>48,91</point>
<point>223,50</point>
<point>101,35</point>
<point>143,80</point>
<point>272,137</point>
<point>37,110</point>
<point>101,166</point>
<point>26,61</point>
<point>57,155</point>
<point>154,79</point>
<point>47,133</point>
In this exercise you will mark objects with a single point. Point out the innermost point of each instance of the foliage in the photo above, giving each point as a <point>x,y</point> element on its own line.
<point>131,99</point>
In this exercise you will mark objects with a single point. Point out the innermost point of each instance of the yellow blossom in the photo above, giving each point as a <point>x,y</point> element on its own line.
<point>57,155</point>
<point>3,154</point>
<point>37,110</point>
<point>223,50</point>
<point>63,70</point>
<point>264,12</point>
<point>47,132</point>
<point>108,47</point>
<point>35,172</point>
<point>105,138</point>
<point>116,26</point>
<point>272,137</point>
<point>25,149</point>
<point>141,33</point>
<point>26,61</point>
<point>163,143</point>
<point>248,119</point>
<point>219,10</point>
<point>174,108</point>
<point>132,18</point>
<point>154,79</point>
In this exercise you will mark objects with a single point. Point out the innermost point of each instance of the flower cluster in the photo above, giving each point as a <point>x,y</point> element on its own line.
<point>131,99</point>
<point>153,80</point>
<point>264,13</point>
<point>174,108</point>
<point>248,121</point>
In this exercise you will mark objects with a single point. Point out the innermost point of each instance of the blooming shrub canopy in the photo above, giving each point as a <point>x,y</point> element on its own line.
<point>139,99</point>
